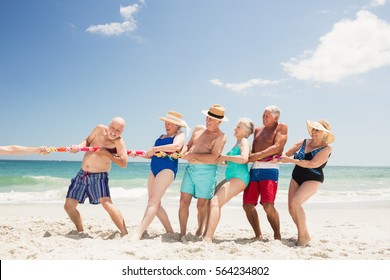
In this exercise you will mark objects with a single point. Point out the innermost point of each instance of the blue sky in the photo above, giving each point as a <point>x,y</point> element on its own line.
<point>66,66</point>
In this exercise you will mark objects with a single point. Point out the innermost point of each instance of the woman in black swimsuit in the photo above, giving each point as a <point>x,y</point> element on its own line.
<point>310,157</point>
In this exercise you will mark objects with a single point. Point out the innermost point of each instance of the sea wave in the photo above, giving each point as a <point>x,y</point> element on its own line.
<point>51,196</point>
<point>47,182</point>
<point>120,194</point>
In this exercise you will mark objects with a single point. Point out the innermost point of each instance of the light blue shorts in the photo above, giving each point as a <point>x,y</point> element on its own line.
<point>200,180</point>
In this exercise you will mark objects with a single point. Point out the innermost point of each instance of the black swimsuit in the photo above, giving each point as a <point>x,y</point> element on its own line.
<point>301,174</point>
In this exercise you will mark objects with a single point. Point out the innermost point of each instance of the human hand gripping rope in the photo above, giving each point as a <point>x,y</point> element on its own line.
<point>170,155</point>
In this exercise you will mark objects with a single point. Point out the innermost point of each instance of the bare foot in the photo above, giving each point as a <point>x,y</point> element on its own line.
<point>183,239</point>
<point>78,234</point>
<point>259,237</point>
<point>113,235</point>
<point>75,232</point>
<point>303,243</point>
<point>134,237</point>
<point>198,233</point>
<point>207,239</point>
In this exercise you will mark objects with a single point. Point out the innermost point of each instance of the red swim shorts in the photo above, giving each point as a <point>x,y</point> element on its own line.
<point>266,189</point>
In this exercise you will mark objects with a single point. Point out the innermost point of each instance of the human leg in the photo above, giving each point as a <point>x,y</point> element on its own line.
<point>73,214</point>
<point>202,206</point>
<point>273,218</point>
<point>95,186</point>
<point>218,186</point>
<point>224,194</point>
<point>300,196</point>
<point>253,219</point>
<point>292,189</point>
<point>115,214</point>
<point>162,215</point>
<point>268,189</point>
<point>156,189</point>
<point>185,201</point>
<point>250,198</point>
<point>76,194</point>
<point>205,190</point>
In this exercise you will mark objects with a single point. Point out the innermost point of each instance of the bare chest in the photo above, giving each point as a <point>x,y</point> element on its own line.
<point>204,142</point>
<point>263,139</point>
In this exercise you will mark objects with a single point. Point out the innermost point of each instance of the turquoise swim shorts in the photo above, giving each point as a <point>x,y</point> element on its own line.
<point>200,180</point>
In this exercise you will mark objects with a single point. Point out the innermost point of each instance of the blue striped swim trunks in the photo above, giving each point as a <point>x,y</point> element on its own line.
<point>91,185</point>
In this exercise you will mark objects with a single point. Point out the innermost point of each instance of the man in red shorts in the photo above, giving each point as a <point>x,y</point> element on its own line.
<point>268,141</point>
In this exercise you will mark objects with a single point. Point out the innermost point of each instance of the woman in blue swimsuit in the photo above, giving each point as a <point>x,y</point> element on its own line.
<point>163,170</point>
<point>310,157</point>
<point>236,174</point>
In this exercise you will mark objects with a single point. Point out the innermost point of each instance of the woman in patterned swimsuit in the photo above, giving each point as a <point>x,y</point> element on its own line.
<point>163,171</point>
<point>310,157</point>
<point>237,174</point>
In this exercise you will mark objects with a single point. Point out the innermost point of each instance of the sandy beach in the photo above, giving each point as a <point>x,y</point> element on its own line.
<point>343,231</point>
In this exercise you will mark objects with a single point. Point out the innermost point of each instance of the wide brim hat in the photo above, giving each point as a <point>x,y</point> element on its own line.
<point>216,112</point>
<point>175,118</point>
<point>317,125</point>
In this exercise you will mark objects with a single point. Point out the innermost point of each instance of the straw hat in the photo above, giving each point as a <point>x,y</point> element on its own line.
<point>321,125</point>
<point>175,118</point>
<point>216,112</point>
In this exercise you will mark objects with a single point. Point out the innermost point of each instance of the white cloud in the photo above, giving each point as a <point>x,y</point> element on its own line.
<point>216,82</point>
<point>352,47</point>
<point>113,29</point>
<point>128,12</point>
<point>376,3</point>
<point>242,87</point>
<point>119,28</point>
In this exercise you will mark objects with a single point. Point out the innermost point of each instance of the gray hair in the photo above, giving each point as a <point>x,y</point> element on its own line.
<point>248,124</point>
<point>119,120</point>
<point>275,111</point>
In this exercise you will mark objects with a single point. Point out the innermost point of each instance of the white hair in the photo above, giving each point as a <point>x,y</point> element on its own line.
<point>248,124</point>
<point>274,110</point>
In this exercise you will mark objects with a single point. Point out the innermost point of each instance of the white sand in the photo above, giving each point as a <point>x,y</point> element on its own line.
<point>353,231</point>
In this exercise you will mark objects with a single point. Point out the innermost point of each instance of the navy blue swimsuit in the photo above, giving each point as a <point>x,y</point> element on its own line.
<point>301,174</point>
<point>159,163</point>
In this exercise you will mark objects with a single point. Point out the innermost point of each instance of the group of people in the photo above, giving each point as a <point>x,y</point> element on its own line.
<point>203,152</point>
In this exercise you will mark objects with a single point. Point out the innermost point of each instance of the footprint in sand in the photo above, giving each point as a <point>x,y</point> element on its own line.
<point>113,235</point>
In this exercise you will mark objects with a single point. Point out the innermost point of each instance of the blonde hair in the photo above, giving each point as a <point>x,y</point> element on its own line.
<point>249,125</point>
<point>325,124</point>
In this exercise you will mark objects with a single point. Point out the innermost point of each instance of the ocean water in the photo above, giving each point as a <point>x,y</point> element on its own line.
<point>28,181</point>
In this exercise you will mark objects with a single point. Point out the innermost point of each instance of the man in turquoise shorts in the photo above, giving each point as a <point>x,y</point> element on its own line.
<point>201,152</point>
